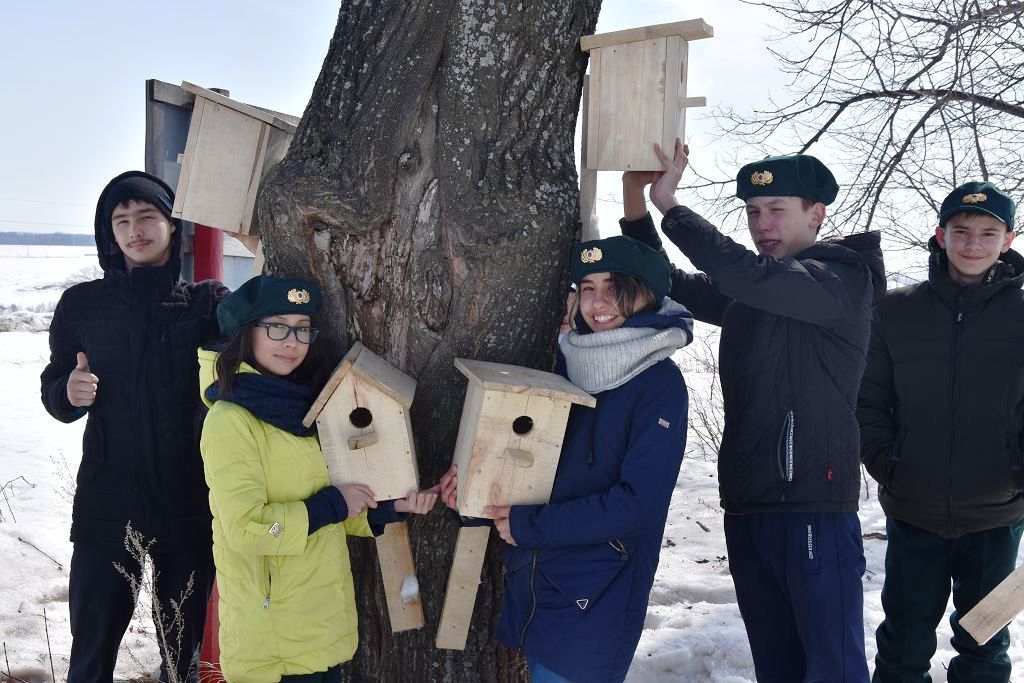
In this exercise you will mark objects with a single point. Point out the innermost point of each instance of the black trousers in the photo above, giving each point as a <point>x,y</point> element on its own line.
<point>332,675</point>
<point>920,570</point>
<point>101,606</point>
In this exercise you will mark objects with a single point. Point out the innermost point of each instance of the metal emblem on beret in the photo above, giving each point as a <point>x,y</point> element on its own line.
<point>592,255</point>
<point>275,529</point>
<point>975,198</point>
<point>762,178</point>
<point>298,296</point>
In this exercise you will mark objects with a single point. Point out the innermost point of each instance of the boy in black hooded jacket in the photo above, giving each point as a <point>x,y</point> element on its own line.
<point>123,352</point>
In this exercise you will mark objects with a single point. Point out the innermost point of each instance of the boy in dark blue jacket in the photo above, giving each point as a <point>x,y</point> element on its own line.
<point>795,318</point>
<point>941,413</point>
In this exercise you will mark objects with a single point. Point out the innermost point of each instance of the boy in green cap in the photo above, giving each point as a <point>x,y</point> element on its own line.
<point>795,318</point>
<point>941,414</point>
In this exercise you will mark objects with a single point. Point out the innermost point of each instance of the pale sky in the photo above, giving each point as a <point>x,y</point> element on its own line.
<point>74,77</point>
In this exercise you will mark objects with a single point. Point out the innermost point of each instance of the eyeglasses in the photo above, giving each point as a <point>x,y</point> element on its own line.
<point>280,332</point>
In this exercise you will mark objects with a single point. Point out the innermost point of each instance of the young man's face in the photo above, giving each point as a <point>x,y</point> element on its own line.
<point>781,226</point>
<point>143,233</point>
<point>973,243</point>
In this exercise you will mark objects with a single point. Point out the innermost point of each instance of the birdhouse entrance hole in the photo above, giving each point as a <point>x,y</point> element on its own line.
<point>522,425</point>
<point>360,418</point>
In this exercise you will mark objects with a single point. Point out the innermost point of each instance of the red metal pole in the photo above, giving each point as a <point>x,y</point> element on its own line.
<point>208,253</point>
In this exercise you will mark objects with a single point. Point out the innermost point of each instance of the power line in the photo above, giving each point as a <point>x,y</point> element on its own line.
<point>53,225</point>
<point>42,201</point>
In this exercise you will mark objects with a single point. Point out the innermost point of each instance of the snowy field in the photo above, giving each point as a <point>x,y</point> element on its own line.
<point>693,630</point>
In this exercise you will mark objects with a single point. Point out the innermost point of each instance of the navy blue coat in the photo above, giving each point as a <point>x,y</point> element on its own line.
<point>792,351</point>
<point>577,584</point>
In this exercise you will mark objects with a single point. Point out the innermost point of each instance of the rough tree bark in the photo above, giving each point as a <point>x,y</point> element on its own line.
<point>431,189</point>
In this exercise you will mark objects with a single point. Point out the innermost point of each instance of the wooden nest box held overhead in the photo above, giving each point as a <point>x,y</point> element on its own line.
<point>511,432</point>
<point>637,94</point>
<point>231,146</point>
<point>362,417</point>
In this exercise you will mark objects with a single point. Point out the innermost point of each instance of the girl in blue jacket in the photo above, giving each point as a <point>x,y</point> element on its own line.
<point>579,569</point>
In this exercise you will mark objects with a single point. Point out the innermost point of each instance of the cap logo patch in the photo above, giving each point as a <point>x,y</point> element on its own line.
<point>761,178</point>
<point>298,296</point>
<point>592,255</point>
<point>975,198</point>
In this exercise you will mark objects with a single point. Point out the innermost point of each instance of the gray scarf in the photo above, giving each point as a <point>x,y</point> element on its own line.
<point>600,361</point>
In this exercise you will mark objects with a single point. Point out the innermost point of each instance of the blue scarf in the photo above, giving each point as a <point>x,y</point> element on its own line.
<point>274,400</point>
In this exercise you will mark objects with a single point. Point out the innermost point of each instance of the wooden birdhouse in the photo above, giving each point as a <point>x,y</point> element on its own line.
<point>362,417</point>
<point>231,146</point>
<point>637,94</point>
<point>510,436</point>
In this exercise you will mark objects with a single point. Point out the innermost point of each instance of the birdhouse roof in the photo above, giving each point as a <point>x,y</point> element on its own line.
<point>370,368</point>
<point>691,29</point>
<point>519,380</point>
<point>273,118</point>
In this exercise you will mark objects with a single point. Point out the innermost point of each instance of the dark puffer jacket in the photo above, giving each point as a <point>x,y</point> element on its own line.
<point>140,452</point>
<point>941,407</point>
<point>577,583</point>
<point>793,348</point>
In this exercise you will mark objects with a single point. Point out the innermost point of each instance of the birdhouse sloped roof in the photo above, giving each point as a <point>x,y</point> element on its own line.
<point>691,29</point>
<point>275,119</point>
<point>372,369</point>
<point>519,380</point>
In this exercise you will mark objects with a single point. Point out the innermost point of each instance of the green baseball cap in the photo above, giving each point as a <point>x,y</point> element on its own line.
<point>621,254</point>
<point>795,175</point>
<point>977,196</point>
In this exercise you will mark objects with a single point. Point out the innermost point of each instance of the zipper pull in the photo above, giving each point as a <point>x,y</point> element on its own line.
<point>959,316</point>
<point>618,547</point>
<point>266,603</point>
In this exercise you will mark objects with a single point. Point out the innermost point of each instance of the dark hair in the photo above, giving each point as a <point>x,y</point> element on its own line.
<point>314,370</point>
<point>632,296</point>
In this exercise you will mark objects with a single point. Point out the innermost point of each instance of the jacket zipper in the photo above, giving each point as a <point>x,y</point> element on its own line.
<point>953,381</point>
<point>786,446</point>
<point>533,599</point>
<point>266,565</point>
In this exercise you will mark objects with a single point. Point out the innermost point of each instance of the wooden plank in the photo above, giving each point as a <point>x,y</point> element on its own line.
<point>691,29</point>
<point>463,583</point>
<point>259,260</point>
<point>682,64</point>
<point>496,471</point>
<point>631,103</point>
<point>251,242</point>
<point>387,378</point>
<point>384,457</point>
<point>674,87</point>
<point>689,102</point>
<point>588,176</point>
<point>186,164</point>
<point>519,380</point>
<point>593,104</point>
<point>395,555</point>
<point>255,175</point>
<point>241,107</point>
<point>159,91</point>
<point>221,163</point>
<point>997,609</point>
<point>339,373</point>
<point>469,423</point>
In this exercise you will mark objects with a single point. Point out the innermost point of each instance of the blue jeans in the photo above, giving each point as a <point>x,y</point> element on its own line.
<point>541,674</point>
<point>798,587</point>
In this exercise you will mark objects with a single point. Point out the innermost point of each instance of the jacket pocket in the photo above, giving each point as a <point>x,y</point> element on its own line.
<point>582,575</point>
<point>892,462</point>
<point>785,447</point>
<point>92,452</point>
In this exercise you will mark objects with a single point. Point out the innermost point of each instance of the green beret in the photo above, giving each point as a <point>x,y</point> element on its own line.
<point>265,295</point>
<point>621,254</point>
<point>983,197</point>
<point>796,175</point>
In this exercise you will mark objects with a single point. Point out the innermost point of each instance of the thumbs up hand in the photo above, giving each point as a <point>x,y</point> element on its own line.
<point>82,384</point>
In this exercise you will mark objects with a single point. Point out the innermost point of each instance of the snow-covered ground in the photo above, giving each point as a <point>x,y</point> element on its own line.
<point>693,630</point>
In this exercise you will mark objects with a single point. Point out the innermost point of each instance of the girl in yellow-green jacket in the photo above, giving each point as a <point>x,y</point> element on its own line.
<point>287,603</point>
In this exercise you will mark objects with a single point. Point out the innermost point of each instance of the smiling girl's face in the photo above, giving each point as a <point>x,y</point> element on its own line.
<point>279,358</point>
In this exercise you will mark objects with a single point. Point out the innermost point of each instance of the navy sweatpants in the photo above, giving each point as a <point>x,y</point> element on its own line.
<point>798,585</point>
<point>920,569</point>
<point>101,606</point>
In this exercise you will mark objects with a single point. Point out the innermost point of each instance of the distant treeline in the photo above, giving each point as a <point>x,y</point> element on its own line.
<point>66,239</point>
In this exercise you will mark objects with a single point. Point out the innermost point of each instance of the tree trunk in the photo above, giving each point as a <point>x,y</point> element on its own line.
<point>431,189</point>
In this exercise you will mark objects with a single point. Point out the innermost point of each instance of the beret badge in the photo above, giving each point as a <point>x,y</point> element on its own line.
<point>975,198</point>
<point>298,296</point>
<point>761,178</point>
<point>591,255</point>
